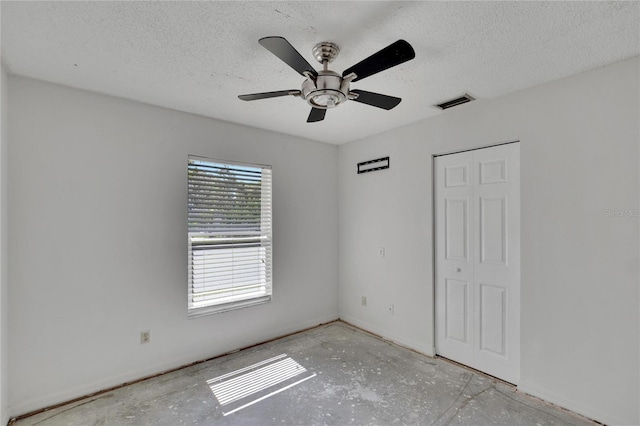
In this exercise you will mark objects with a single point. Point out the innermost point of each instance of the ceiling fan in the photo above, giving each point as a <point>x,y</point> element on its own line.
<point>326,89</point>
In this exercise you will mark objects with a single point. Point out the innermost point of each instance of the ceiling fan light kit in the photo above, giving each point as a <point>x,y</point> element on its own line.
<point>326,89</point>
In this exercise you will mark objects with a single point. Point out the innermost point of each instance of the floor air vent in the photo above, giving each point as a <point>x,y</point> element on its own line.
<point>457,101</point>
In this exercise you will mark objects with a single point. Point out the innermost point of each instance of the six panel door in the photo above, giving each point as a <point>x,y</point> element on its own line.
<point>477,214</point>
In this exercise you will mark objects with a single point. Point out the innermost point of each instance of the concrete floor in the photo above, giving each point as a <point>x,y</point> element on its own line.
<point>333,374</point>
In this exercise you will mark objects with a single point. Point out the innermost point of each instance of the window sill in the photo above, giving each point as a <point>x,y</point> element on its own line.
<point>217,309</point>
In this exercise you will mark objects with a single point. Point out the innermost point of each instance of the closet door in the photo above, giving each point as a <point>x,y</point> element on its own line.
<point>454,257</point>
<point>477,213</point>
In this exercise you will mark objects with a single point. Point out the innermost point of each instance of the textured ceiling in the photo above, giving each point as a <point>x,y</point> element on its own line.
<point>198,56</point>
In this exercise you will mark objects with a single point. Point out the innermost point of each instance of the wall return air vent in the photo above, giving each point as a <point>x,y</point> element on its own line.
<point>457,101</point>
<point>373,165</point>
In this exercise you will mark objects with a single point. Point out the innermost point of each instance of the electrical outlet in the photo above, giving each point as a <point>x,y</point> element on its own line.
<point>364,300</point>
<point>391,309</point>
<point>145,337</point>
<point>381,252</point>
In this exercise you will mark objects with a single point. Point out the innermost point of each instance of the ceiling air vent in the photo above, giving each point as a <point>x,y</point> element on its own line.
<point>457,101</point>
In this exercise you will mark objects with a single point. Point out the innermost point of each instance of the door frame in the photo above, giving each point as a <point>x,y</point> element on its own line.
<point>434,230</point>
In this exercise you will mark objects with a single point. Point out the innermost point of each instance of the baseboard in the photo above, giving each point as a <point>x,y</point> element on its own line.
<point>574,406</point>
<point>33,406</point>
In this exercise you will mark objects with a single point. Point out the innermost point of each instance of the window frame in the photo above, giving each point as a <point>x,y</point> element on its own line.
<point>263,239</point>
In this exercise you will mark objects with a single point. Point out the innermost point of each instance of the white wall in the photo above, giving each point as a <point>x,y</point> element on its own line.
<point>97,244</point>
<point>4,414</point>
<point>98,240</point>
<point>580,274</point>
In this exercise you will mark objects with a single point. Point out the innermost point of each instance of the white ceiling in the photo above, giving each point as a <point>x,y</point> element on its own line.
<point>199,56</point>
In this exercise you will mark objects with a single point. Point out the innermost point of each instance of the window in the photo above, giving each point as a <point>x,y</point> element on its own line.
<point>229,235</point>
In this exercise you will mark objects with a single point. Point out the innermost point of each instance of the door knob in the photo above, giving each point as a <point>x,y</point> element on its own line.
<point>457,269</point>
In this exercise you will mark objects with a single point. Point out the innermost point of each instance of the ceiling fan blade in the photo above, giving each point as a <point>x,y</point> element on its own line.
<point>280,47</point>
<point>265,95</point>
<point>316,114</point>
<point>392,55</point>
<point>376,99</point>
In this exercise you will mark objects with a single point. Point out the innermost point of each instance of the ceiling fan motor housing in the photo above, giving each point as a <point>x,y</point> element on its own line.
<point>328,90</point>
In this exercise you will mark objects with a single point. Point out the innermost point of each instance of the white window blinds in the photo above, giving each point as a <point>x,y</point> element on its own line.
<point>229,235</point>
